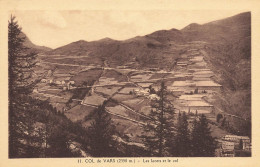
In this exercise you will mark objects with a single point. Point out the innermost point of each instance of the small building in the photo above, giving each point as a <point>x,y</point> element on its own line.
<point>246,146</point>
<point>227,153</point>
<point>181,64</point>
<point>44,80</point>
<point>228,146</point>
<point>72,82</point>
<point>142,92</point>
<point>35,90</point>
<point>58,82</point>
<point>154,97</point>
<point>236,138</point>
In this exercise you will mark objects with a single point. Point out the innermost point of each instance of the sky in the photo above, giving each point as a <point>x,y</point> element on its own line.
<point>57,28</point>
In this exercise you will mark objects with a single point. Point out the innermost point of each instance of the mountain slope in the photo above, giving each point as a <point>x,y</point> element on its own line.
<point>138,48</point>
<point>231,28</point>
<point>227,50</point>
<point>33,47</point>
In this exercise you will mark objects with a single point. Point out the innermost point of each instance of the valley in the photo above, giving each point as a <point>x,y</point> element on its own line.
<point>76,90</point>
<point>192,62</point>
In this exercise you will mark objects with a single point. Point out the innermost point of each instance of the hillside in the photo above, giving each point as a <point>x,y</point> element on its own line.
<point>229,54</point>
<point>33,47</point>
<point>220,31</point>
<point>232,28</point>
<point>145,50</point>
<point>228,51</point>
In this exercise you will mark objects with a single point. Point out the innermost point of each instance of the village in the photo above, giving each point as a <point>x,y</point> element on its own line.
<point>76,90</point>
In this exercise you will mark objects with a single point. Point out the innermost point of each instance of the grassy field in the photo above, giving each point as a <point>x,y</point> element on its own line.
<point>94,100</point>
<point>118,110</point>
<point>79,112</point>
<point>217,132</point>
<point>158,75</point>
<point>87,77</point>
<point>122,97</point>
<point>58,100</point>
<point>133,102</point>
<point>79,93</point>
<point>137,103</point>
<point>52,91</point>
<point>115,74</point>
<point>65,94</point>
<point>79,61</point>
<point>145,110</point>
<point>107,90</point>
<point>128,127</point>
<point>126,90</point>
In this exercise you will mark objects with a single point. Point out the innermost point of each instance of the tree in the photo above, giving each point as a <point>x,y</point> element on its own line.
<point>58,143</point>
<point>152,91</point>
<point>196,91</point>
<point>219,117</point>
<point>224,122</point>
<point>35,127</point>
<point>241,144</point>
<point>158,132</point>
<point>203,144</point>
<point>20,85</point>
<point>101,134</point>
<point>21,61</point>
<point>181,146</point>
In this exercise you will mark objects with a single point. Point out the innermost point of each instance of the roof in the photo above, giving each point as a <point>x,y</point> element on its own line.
<point>235,136</point>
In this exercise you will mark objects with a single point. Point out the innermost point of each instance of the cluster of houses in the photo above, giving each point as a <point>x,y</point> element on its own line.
<point>230,144</point>
<point>66,83</point>
<point>146,93</point>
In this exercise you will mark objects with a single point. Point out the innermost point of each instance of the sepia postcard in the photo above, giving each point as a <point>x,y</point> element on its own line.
<point>120,83</point>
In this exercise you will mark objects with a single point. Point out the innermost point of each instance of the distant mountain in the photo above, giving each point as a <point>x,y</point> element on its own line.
<point>231,28</point>
<point>226,45</point>
<point>106,40</point>
<point>229,55</point>
<point>112,50</point>
<point>39,49</point>
<point>148,49</point>
<point>165,36</point>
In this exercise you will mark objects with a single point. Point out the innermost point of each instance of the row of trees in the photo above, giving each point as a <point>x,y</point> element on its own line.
<point>161,136</point>
<point>36,129</point>
<point>20,71</point>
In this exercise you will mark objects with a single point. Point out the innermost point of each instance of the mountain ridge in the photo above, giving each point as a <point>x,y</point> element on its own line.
<point>190,32</point>
<point>33,47</point>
